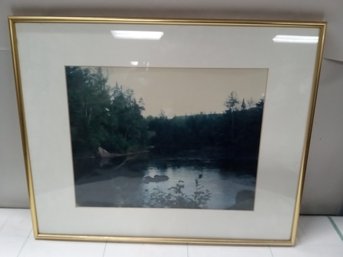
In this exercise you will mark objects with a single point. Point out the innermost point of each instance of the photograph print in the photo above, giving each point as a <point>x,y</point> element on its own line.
<point>146,137</point>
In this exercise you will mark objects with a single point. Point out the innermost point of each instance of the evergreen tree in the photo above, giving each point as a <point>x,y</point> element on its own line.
<point>101,115</point>
<point>243,105</point>
<point>89,102</point>
<point>232,101</point>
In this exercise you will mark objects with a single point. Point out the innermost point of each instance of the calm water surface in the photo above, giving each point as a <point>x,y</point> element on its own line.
<point>163,182</point>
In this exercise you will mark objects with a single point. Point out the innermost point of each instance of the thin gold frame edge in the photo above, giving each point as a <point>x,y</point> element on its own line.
<point>22,122</point>
<point>308,131</point>
<point>162,21</point>
<point>321,25</point>
<point>166,240</point>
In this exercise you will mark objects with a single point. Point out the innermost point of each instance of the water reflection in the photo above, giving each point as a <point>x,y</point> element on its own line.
<point>163,182</point>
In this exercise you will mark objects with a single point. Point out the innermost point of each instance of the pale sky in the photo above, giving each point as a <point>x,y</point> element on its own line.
<point>186,91</point>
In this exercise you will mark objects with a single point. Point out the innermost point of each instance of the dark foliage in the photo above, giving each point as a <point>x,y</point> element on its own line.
<point>101,115</point>
<point>111,117</point>
<point>237,132</point>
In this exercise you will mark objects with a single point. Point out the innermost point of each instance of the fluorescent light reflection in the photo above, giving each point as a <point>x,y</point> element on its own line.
<point>295,39</point>
<point>131,34</point>
<point>134,63</point>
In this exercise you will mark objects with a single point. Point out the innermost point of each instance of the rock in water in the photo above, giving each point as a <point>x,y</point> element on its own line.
<point>156,178</point>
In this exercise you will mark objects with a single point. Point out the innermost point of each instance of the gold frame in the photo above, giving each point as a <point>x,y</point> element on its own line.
<point>13,20</point>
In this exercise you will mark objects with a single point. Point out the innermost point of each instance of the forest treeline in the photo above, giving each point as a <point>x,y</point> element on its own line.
<point>111,118</point>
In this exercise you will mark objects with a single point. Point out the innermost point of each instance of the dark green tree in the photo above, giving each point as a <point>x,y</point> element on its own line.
<point>260,103</point>
<point>127,126</point>
<point>231,104</point>
<point>232,101</point>
<point>243,105</point>
<point>103,116</point>
<point>89,102</point>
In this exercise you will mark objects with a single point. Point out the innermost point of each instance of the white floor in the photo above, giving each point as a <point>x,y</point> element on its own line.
<point>318,236</point>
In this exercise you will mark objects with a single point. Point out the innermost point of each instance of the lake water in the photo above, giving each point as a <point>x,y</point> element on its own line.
<point>163,182</point>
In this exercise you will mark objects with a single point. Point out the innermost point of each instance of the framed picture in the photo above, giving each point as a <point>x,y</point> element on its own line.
<point>166,131</point>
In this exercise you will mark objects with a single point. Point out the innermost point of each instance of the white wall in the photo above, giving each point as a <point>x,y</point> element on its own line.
<point>13,191</point>
<point>323,192</point>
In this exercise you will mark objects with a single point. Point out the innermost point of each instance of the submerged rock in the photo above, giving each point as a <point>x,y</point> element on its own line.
<point>244,200</point>
<point>156,178</point>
